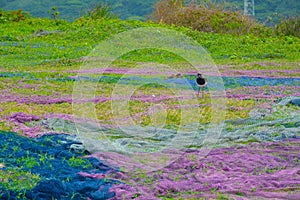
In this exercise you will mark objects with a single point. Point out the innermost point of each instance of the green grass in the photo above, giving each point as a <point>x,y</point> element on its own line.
<point>77,39</point>
<point>47,59</point>
<point>17,180</point>
<point>78,162</point>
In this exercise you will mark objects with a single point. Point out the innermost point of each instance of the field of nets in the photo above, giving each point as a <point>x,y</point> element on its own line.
<point>50,142</point>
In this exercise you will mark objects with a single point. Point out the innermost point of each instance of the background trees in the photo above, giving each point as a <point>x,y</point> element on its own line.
<point>266,10</point>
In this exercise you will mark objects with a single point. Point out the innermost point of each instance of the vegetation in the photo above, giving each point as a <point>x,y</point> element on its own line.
<point>40,59</point>
<point>205,17</point>
<point>17,180</point>
<point>132,10</point>
<point>269,11</point>
<point>289,27</point>
<point>60,50</point>
<point>100,11</point>
<point>13,16</point>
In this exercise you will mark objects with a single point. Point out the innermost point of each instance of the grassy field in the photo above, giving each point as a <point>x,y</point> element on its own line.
<point>40,62</point>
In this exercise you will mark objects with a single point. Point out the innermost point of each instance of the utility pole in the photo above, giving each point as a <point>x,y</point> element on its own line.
<point>249,7</point>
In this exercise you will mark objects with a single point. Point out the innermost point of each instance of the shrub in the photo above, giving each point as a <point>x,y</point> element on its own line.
<point>13,16</point>
<point>207,17</point>
<point>289,27</point>
<point>54,13</point>
<point>100,11</point>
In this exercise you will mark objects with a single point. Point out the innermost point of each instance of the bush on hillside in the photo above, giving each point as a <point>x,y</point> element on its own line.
<point>207,17</point>
<point>13,16</point>
<point>289,27</point>
<point>99,11</point>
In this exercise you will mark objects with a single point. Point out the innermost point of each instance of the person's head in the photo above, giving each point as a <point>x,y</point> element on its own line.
<point>199,75</point>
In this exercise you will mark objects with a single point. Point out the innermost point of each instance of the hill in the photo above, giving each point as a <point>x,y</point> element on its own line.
<point>265,9</point>
<point>72,9</point>
<point>139,9</point>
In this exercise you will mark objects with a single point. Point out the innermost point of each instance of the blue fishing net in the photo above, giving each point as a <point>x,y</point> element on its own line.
<point>58,170</point>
